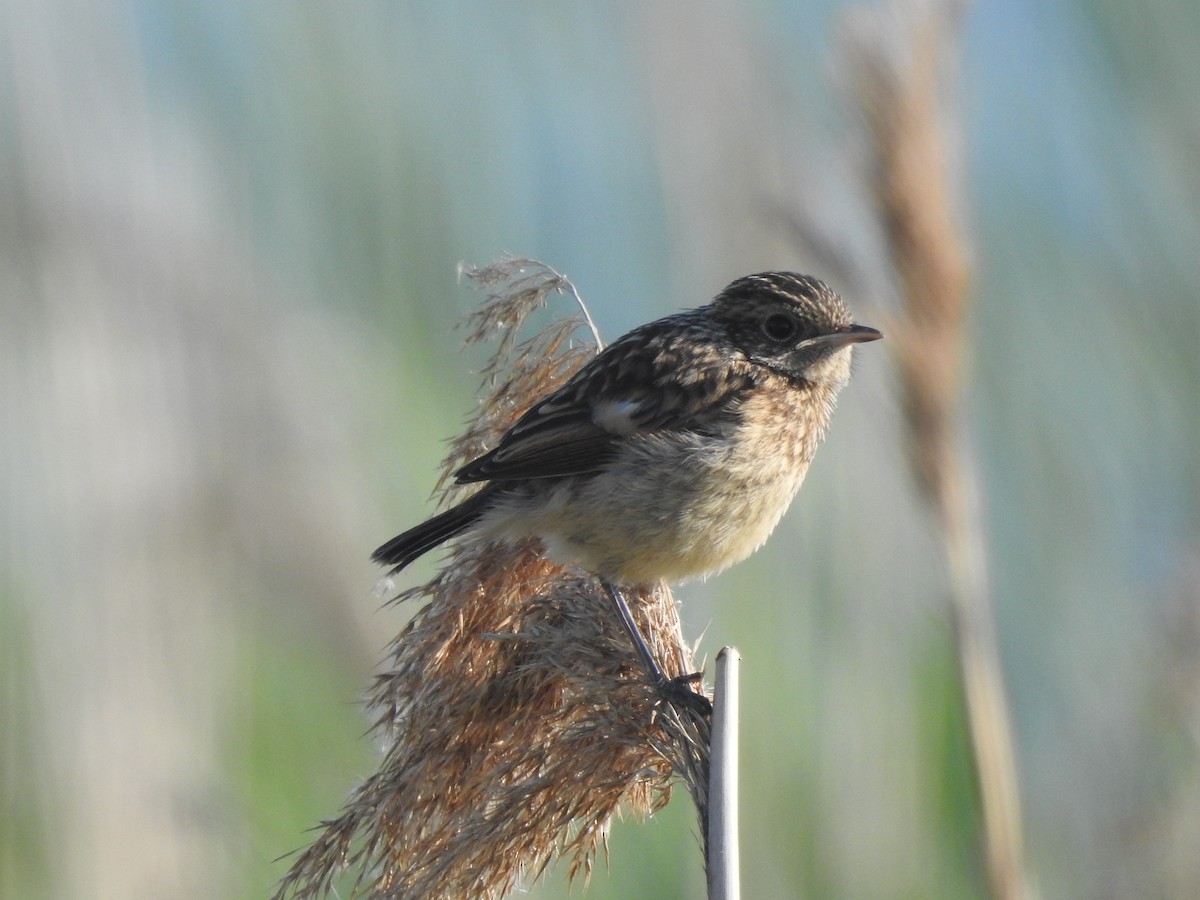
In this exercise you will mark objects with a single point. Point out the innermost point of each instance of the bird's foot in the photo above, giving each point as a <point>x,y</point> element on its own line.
<point>678,691</point>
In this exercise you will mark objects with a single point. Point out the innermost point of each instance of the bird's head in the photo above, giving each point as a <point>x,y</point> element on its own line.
<point>792,324</point>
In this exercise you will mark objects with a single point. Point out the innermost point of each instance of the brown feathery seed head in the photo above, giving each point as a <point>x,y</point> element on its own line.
<point>513,730</point>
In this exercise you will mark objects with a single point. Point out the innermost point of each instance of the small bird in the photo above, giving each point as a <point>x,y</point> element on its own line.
<point>675,451</point>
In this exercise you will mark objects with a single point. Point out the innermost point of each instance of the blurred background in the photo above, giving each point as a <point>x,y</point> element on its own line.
<point>228,240</point>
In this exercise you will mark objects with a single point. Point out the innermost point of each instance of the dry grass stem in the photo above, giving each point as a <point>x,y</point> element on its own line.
<point>898,64</point>
<point>514,715</point>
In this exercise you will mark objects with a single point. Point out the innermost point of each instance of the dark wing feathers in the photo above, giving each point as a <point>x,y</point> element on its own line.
<point>404,548</point>
<point>564,441</point>
<point>652,380</point>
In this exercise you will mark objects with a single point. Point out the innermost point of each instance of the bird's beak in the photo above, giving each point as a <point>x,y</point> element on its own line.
<point>851,334</point>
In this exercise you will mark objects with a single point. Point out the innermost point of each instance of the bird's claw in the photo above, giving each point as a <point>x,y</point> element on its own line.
<point>678,691</point>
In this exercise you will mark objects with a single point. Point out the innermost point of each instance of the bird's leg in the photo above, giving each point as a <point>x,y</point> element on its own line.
<point>674,689</point>
<point>639,643</point>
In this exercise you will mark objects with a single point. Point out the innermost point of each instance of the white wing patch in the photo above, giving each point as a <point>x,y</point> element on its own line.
<point>617,416</point>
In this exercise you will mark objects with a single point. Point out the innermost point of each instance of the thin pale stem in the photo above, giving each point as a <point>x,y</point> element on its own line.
<point>983,686</point>
<point>724,860</point>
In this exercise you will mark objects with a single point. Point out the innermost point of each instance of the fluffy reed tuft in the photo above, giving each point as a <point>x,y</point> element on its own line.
<point>515,718</point>
<point>900,61</point>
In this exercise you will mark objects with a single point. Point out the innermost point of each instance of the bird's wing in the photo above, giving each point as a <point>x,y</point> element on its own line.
<point>579,428</point>
<point>552,439</point>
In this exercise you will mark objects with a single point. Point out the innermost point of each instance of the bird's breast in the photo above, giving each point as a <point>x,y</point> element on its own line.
<point>680,505</point>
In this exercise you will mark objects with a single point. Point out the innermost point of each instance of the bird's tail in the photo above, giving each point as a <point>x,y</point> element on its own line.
<point>404,548</point>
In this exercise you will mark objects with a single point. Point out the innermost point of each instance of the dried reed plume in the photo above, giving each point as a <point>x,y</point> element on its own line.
<point>898,64</point>
<point>515,717</point>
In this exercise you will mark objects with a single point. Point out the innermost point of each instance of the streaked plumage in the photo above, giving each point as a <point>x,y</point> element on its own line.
<point>676,450</point>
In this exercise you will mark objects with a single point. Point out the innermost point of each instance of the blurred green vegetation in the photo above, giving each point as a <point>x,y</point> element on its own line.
<point>228,239</point>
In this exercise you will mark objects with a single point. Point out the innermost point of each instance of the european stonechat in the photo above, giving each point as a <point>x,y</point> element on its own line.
<point>675,451</point>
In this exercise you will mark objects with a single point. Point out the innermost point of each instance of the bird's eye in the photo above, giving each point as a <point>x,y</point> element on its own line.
<point>780,327</point>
